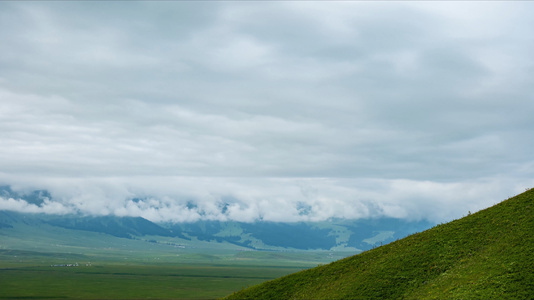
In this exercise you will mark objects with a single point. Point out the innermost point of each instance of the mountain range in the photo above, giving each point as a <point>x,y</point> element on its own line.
<point>335,234</point>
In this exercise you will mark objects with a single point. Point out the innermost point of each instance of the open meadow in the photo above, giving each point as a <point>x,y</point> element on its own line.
<point>116,281</point>
<point>38,260</point>
<point>35,275</point>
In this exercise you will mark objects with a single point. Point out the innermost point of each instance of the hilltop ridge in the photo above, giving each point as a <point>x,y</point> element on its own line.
<point>485,255</point>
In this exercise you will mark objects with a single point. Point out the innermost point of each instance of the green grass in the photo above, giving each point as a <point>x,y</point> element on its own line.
<point>486,255</point>
<point>134,268</point>
<point>115,281</point>
<point>140,274</point>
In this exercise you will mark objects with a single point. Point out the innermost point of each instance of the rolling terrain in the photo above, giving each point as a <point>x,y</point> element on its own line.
<point>485,255</point>
<point>108,257</point>
<point>43,261</point>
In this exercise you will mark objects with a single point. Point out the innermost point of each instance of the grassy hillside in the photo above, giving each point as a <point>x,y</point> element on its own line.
<point>486,255</point>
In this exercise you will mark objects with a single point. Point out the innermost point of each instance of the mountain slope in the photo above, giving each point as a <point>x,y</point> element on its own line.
<point>125,227</point>
<point>486,255</point>
<point>347,235</point>
<point>340,235</point>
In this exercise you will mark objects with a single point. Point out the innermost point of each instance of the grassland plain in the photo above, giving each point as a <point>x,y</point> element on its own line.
<point>143,275</point>
<point>146,267</point>
<point>132,281</point>
<point>485,255</point>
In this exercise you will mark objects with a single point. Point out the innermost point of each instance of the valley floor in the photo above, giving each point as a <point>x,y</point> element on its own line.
<point>40,275</point>
<point>202,281</point>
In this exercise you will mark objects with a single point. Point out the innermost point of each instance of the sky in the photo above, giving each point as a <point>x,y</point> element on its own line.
<point>278,111</point>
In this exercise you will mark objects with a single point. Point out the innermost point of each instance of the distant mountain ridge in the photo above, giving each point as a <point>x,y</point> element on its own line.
<point>351,235</point>
<point>36,197</point>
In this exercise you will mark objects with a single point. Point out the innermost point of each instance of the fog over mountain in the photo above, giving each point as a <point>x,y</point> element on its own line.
<point>278,111</point>
<point>246,200</point>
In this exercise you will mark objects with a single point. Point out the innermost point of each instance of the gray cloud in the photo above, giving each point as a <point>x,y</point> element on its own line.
<point>246,101</point>
<point>187,199</point>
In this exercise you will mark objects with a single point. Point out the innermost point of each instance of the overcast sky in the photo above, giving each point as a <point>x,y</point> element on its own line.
<point>282,111</point>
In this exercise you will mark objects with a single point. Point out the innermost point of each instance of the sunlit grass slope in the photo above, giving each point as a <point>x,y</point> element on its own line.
<point>486,255</point>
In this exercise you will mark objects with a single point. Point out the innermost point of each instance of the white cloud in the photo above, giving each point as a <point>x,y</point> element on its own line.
<point>48,207</point>
<point>283,111</point>
<point>188,199</point>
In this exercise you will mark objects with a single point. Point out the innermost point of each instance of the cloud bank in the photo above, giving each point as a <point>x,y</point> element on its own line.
<point>178,111</point>
<point>190,199</point>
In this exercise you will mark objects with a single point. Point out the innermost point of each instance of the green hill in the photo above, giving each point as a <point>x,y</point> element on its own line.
<point>486,255</point>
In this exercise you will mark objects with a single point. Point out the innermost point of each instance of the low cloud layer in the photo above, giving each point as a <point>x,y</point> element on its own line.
<point>273,110</point>
<point>189,199</point>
